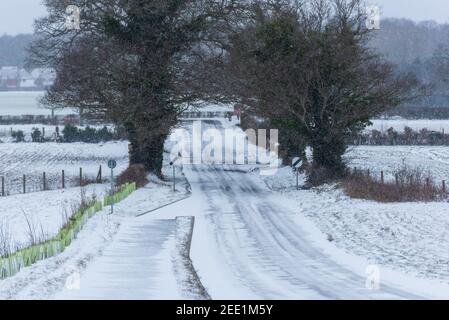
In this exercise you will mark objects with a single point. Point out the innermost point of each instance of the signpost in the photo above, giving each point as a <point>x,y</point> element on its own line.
<point>112,164</point>
<point>296,165</point>
<point>173,164</point>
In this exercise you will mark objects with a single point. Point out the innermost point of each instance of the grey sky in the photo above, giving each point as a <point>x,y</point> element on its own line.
<point>417,10</point>
<point>17,16</point>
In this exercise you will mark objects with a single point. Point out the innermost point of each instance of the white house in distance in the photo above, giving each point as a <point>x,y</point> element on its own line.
<point>19,79</point>
<point>44,77</point>
<point>26,80</point>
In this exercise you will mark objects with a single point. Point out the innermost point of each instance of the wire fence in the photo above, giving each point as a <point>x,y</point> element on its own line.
<point>37,182</point>
<point>11,264</point>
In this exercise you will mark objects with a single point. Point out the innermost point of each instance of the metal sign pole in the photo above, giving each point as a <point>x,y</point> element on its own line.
<point>112,190</point>
<point>174,178</point>
<point>296,165</point>
<point>112,164</point>
<point>297,179</point>
<point>173,164</point>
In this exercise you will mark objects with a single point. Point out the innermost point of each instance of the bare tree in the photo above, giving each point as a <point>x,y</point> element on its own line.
<point>305,66</point>
<point>137,63</point>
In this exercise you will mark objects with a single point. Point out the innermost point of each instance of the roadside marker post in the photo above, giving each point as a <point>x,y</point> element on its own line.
<point>112,164</point>
<point>296,165</point>
<point>173,164</point>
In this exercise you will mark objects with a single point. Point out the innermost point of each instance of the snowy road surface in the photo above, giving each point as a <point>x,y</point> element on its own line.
<point>131,267</point>
<point>246,234</point>
<point>248,243</point>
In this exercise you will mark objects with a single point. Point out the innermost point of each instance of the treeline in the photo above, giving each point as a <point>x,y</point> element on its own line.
<point>414,113</point>
<point>420,49</point>
<point>305,67</point>
<point>70,134</point>
<point>13,49</point>
<point>431,113</point>
<point>408,137</point>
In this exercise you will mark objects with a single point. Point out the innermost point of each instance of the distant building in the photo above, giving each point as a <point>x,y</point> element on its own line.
<point>44,77</point>
<point>26,80</point>
<point>9,77</point>
<point>15,78</point>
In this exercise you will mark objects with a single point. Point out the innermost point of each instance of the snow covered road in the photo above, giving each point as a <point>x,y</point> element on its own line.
<point>246,245</point>
<point>134,266</point>
<point>249,242</point>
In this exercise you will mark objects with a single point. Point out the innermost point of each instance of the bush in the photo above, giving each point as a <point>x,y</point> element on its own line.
<point>18,136</point>
<point>88,135</point>
<point>410,185</point>
<point>36,135</point>
<point>135,173</point>
<point>423,137</point>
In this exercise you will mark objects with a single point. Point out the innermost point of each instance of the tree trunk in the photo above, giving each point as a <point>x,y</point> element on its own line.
<point>328,162</point>
<point>147,149</point>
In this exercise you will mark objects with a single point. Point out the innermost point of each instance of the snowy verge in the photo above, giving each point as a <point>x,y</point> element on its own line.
<point>412,238</point>
<point>43,279</point>
<point>188,280</point>
<point>46,211</point>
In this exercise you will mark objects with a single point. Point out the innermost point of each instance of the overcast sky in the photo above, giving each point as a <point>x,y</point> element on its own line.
<point>17,16</point>
<point>417,10</point>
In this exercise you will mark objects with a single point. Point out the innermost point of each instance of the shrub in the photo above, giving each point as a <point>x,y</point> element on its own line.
<point>87,135</point>
<point>410,185</point>
<point>18,136</point>
<point>36,135</point>
<point>135,173</point>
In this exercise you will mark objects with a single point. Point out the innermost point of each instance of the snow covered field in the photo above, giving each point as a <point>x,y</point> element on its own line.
<point>389,158</point>
<point>24,103</point>
<point>32,159</point>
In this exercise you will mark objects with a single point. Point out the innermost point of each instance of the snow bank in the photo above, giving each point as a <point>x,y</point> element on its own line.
<point>409,237</point>
<point>187,278</point>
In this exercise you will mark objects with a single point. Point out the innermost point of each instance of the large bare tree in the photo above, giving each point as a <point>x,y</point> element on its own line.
<point>138,63</point>
<point>305,66</point>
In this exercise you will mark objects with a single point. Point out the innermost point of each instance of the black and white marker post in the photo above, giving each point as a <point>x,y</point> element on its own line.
<point>112,164</point>
<point>296,165</point>
<point>173,164</point>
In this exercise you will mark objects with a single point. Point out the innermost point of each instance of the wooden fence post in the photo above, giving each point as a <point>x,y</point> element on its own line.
<point>81,177</point>
<point>382,177</point>
<point>99,175</point>
<point>44,180</point>
<point>24,184</point>
<point>63,179</point>
<point>3,186</point>
<point>444,186</point>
